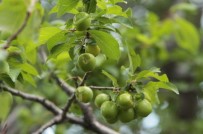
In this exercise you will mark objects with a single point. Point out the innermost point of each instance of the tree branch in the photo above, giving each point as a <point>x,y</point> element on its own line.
<point>89,119</point>
<point>46,103</point>
<point>84,79</point>
<point>52,122</point>
<point>68,105</point>
<point>105,88</point>
<point>28,14</point>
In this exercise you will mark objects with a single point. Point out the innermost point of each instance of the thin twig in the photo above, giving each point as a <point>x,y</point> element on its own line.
<point>64,86</point>
<point>104,88</point>
<point>68,105</point>
<point>84,78</point>
<point>52,122</point>
<point>28,14</point>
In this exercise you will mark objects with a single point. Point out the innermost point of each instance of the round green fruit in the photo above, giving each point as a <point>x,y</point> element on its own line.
<point>87,62</point>
<point>109,110</point>
<point>100,99</point>
<point>143,108</point>
<point>125,101</point>
<point>126,115</point>
<point>93,49</point>
<point>82,21</point>
<point>84,94</point>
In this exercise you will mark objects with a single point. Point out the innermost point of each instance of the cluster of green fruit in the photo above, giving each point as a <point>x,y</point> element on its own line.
<point>125,107</point>
<point>86,61</point>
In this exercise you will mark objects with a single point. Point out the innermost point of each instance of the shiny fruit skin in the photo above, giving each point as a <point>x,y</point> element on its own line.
<point>143,108</point>
<point>109,110</point>
<point>87,62</point>
<point>100,99</point>
<point>84,94</point>
<point>126,115</point>
<point>125,101</point>
<point>82,21</point>
<point>93,49</point>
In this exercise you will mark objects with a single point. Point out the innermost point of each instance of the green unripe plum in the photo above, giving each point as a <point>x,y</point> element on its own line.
<point>82,21</point>
<point>109,110</point>
<point>93,49</point>
<point>84,94</point>
<point>87,62</point>
<point>125,101</point>
<point>143,108</point>
<point>126,115</point>
<point>100,99</point>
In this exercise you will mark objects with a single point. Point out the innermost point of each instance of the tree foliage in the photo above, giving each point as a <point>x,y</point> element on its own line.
<point>41,63</point>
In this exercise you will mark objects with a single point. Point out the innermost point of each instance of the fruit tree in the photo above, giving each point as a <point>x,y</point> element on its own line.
<point>83,63</point>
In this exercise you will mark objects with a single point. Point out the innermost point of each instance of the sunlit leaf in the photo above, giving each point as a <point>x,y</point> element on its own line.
<point>107,43</point>
<point>111,77</point>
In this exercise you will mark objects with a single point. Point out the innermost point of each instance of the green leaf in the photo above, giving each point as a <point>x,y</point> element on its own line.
<point>116,10</point>
<point>46,33</point>
<point>14,73</point>
<point>56,50</point>
<point>186,35</point>
<point>90,5</point>
<point>151,89</point>
<point>111,77</point>
<point>6,101</point>
<point>11,10</point>
<point>28,78</point>
<point>134,59</point>
<point>28,68</point>
<point>184,7</point>
<point>107,43</point>
<point>58,38</point>
<point>151,73</point>
<point>7,79</point>
<point>4,67</point>
<point>66,5</point>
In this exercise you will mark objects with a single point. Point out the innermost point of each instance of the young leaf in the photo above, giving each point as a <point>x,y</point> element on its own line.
<point>28,78</point>
<point>134,59</point>
<point>28,68</point>
<point>186,35</point>
<point>113,79</point>
<point>6,101</point>
<point>151,89</point>
<point>46,33</point>
<point>90,5</point>
<point>66,5</point>
<point>57,39</point>
<point>14,73</point>
<point>107,43</point>
<point>12,10</point>
<point>151,73</point>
